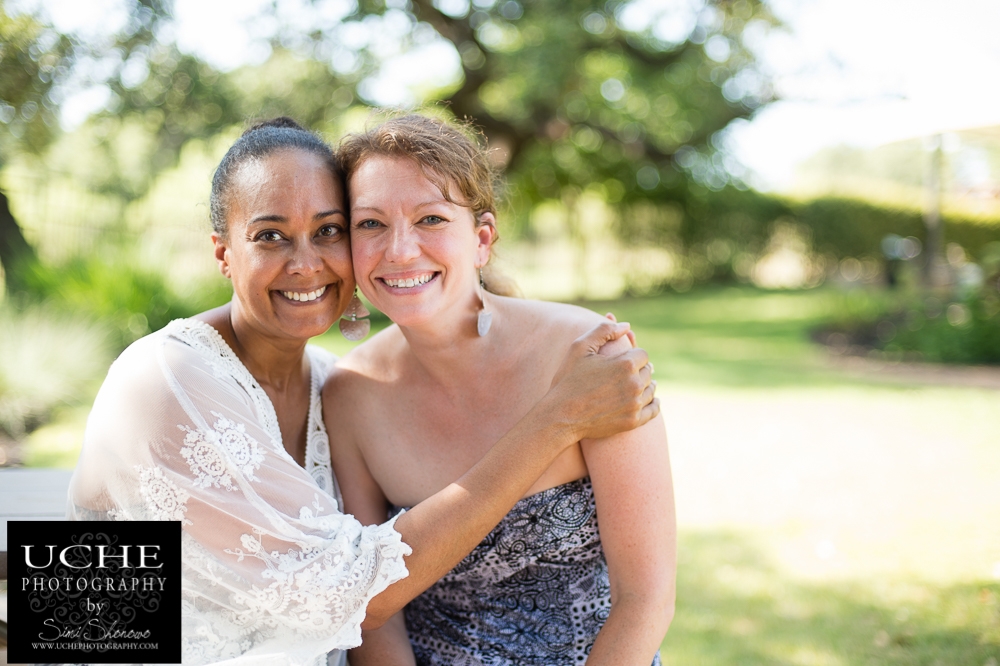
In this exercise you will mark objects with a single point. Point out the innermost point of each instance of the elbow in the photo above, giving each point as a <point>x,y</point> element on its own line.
<point>374,619</point>
<point>370,623</point>
<point>656,607</point>
<point>660,611</point>
<point>665,607</point>
<point>378,613</point>
<point>666,615</point>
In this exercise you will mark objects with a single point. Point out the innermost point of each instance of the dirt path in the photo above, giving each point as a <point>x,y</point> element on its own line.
<point>842,482</point>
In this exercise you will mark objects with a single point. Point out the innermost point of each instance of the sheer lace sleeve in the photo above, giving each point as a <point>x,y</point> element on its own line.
<point>272,571</point>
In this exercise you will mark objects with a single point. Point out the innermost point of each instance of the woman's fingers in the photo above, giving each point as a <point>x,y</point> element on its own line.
<point>630,334</point>
<point>606,392</point>
<point>650,411</point>
<point>591,341</point>
<point>639,359</point>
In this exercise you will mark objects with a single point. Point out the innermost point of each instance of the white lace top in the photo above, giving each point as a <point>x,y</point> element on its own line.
<point>272,571</point>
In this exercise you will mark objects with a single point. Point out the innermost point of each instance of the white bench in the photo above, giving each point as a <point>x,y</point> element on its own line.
<point>30,494</point>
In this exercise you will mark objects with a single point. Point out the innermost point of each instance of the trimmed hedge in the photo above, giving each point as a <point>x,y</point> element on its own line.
<point>836,226</point>
<point>852,228</point>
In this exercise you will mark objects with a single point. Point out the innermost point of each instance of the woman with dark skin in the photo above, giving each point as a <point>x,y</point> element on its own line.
<point>216,421</point>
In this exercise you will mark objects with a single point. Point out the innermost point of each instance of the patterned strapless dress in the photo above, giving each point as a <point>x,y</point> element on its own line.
<point>535,592</point>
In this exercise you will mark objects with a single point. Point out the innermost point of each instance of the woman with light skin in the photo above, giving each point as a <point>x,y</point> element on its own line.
<point>216,422</point>
<point>420,403</point>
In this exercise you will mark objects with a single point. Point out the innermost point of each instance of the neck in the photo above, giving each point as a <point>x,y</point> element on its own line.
<point>273,362</point>
<point>450,349</point>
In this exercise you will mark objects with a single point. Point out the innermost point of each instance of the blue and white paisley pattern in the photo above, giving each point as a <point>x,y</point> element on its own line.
<point>535,592</point>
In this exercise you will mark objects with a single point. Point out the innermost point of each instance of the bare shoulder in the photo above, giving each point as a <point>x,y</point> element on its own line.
<point>356,377</point>
<point>561,323</point>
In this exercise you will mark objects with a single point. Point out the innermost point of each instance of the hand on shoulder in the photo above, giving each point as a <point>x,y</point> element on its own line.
<point>569,322</point>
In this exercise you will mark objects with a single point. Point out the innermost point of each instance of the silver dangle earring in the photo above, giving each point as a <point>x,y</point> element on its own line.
<point>485,319</point>
<point>352,326</point>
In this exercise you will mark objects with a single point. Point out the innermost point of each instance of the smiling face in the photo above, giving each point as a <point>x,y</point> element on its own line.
<point>286,246</point>
<point>416,254</point>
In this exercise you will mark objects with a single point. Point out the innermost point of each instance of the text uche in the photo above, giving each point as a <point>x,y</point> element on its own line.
<point>84,558</point>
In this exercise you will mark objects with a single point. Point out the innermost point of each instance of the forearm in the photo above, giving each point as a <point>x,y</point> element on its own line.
<point>389,645</point>
<point>445,527</point>
<point>633,632</point>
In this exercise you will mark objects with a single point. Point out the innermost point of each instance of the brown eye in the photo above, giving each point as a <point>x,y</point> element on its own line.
<point>269,236</point>
<point>330,231</point>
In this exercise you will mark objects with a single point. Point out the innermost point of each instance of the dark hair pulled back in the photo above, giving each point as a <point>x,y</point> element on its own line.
<point>258,141</point>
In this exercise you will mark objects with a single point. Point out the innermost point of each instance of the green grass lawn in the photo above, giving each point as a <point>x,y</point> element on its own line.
<point>826,517</point>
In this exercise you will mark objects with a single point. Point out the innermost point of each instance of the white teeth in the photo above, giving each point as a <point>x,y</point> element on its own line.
<point>304,296</point>
<point>409,282</point>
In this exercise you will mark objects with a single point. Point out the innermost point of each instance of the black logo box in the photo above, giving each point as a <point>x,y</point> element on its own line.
<point>94,592</point>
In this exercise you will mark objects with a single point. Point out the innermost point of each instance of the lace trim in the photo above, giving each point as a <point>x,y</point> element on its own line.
<point>225,363</point>
<point>312,593</point>
<point>317,461</point>
<point>320,588</point>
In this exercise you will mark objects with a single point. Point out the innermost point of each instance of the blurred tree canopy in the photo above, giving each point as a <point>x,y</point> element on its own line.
<point>630,97</point>
<point>36,64</point>
<point>32,59</point>
<point>581,92</point>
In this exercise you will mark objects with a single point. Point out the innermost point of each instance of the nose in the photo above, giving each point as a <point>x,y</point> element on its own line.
<point>402,244</point>
<point>305,259</point>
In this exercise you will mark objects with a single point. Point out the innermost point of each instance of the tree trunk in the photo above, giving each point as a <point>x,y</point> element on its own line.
<point>16,254</point>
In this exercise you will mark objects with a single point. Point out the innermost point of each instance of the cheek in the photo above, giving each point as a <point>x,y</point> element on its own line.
<point>340,262</point>
<point>247,269</point>
<point>363,258</point>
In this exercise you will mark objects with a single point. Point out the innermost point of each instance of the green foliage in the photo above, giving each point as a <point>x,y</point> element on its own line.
<point>960,328</point>
<point>965,331</point>
<point>854,228</point>
<point>49,358</point>
<point>35,60</point>
<point>32,60</point>
<point>127,298</point>
<point>718,230</point>
<point>582,92</point>
<point>931,328</point>
<point>143,131</point>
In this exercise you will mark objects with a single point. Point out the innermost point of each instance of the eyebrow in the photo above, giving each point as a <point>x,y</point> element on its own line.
<point>423,204</point>
<point>281,219</point>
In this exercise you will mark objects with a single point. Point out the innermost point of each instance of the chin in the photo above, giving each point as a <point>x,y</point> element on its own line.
<point>409,317</point>
<point>310,329</point>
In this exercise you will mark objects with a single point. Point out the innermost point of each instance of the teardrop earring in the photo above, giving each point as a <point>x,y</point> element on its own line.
<point>352,326</point>
<point>485,319</point>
